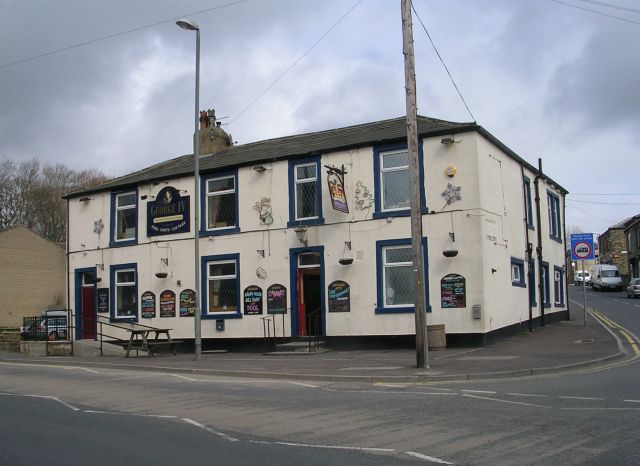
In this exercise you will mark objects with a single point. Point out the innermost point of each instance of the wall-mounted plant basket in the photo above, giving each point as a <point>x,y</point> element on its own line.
<point>161,274</point>
<point>450,252</point>
<point>345,261</point>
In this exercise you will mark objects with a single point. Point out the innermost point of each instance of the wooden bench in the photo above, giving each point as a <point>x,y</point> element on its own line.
<point>139,340</point>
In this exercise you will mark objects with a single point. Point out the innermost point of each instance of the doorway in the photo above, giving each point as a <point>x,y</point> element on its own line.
<point>307,289</point>
<point>85,281</point>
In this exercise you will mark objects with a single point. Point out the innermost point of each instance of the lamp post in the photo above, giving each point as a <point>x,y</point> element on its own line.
<point>197,323</point>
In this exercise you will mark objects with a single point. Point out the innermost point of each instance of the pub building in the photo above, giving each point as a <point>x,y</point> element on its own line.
<point>314,230</point>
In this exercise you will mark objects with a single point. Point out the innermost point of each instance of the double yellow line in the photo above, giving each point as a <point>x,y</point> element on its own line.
<point>633,340</point>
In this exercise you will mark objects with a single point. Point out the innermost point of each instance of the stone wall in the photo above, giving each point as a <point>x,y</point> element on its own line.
<point>10,341</point>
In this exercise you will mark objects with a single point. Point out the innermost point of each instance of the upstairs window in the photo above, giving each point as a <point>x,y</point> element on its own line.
<point>221,203</point>
<point>124,222</point>
<point>553,207</point>
<point>394,180</point>
<point>528,212</point>
<point>305,192</point>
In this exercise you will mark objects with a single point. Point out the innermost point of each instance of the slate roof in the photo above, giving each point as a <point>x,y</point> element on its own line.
<point>300,145</point>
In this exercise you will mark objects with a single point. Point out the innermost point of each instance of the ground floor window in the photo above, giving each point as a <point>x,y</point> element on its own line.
<point>558,286</point>
<point>517,272</point>
<point>545,284</point>
<point>222,284</point>
<point>124,290</point>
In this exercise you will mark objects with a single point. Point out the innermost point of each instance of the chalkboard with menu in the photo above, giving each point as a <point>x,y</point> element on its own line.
<point>103,299</point>
<point>187,303</point>
<point>453,291</point>
<point>339,296</point>
<point>252,298</point>
<point>148,304</point>
<point>167,304</point>
<point>277,299</point>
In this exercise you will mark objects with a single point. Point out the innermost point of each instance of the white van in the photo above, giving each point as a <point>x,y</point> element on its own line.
<point>606,277</point>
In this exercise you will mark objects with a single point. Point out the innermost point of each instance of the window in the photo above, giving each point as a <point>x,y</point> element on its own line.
<point>553,206</point>
<point>124,218</point>
<point>124,292</point>
<point>396,281</point>
<point>305,192</point>
<point>392,186</point>
<point>222,285</point>
<point>638,237</point>
<point>532,282</point>
<point>517,273</point>
<point>221,204</point>
<point>545,284</point>
<point>528,212</point>
<point>558,289</point>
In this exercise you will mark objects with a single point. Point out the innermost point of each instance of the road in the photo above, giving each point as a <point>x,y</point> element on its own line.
<point>585,417</point>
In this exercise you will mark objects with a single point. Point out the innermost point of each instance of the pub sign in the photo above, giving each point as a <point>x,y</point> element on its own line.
<point>168,213</point>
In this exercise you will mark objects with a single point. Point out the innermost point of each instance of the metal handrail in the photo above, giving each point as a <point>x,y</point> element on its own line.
<point>266,330</point>
<point>313,338</point>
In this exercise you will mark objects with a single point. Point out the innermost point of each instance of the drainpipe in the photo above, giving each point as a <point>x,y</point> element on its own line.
<point>527,253</point>
<point>567,259</point>
<point>539,247</point>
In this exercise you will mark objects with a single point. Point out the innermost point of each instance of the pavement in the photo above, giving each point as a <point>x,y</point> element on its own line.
<point>558,347</point>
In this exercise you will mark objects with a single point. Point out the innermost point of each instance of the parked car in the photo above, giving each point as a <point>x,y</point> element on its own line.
<point>633,290</point>
<point>52,325</point>
<point>580,276</point>
<point>606,277</point>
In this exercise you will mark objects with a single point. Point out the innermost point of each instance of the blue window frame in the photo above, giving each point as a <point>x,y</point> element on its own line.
<point>123,292</point>
<point>545,284</point>
<point>219,204</point>
<point>124,218</point>
<point>553,207</point>
<point>531,270</point>
<point>391,180</point>
<point>517,273</point>
<point>394,276</point>
<point>220,280</point>
<point>558,286</point>
<point>305,192</point>
<point>527,202</point>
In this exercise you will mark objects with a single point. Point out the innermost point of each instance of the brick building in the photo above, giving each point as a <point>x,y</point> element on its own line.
<point>32,276</point>
<point>613,247</point>
<point>632,235</point>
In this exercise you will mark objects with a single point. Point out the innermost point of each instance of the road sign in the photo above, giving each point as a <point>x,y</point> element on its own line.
<point>582,246</point>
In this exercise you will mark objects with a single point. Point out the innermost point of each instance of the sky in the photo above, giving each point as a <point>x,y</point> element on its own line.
<point>110,85</point>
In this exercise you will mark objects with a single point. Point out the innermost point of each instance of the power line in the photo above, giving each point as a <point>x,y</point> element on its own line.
<point>442,61</point>
<point>596,12</point>
<point>601,203</point>
<point>611,5</point>
<point>116,34</point>
<point>604,194</point>
<point>268,88</point>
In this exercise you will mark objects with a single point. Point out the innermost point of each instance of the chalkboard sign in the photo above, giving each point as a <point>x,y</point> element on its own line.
<point>148,304</point>
<point>453,291</point>
<point>252,297</point>
<point>276,299</point>
<point>187,303</point>
<point>167,304</point>
<point>339,296</point>
<point>103,299</point>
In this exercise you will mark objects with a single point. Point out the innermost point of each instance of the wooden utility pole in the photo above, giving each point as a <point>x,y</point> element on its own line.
<point>422,355</point>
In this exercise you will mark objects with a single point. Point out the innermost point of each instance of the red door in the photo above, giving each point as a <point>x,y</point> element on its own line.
<point>302,319</point>
<point>88,313</point>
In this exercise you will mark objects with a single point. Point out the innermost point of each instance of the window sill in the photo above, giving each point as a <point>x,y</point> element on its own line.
<point>556,239</point>
<point>547,305</point>
<point>220,231</point>
<point>126,320</point>
<point>399,310</point>
<point>120,244</point>
<point>518,284</point>
<point>399,213</point>
<point>312,221</point>
<point>558,305</point>
<point>222,316</point>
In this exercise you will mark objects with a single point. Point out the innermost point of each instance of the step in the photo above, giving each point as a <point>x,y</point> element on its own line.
<point>299,346</point>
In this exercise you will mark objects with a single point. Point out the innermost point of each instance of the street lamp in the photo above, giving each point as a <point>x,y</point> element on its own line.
<point>189,25</point>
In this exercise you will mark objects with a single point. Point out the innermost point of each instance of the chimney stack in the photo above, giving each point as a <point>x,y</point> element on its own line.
<point>212,137</point>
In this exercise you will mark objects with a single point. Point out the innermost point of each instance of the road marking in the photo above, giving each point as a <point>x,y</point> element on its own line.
<point>427,457</point>
<point>308,385</point>
<point>527,394</point>
<point>506,401</point>
<point>632,401</point>
<point>44,397</point>
<point>601,409</point>
<point>210,430</point>
<point>335,447</point>
<point>479,391</point>
<point>184,378</point>
<point>581,398</point>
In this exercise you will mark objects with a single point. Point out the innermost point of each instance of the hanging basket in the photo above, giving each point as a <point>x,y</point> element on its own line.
<point>450,252</point>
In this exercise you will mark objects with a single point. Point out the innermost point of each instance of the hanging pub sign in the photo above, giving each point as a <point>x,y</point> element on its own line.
<point>453,292</point>
<point>148,305</point>
<point>252,298</point>
<point>168,213</point>
<point>276,299</point>
<point>335,180</point>
<point>167,304</point>
<point>339,296</point>
<point>103,299</point>
<point>187,303</point>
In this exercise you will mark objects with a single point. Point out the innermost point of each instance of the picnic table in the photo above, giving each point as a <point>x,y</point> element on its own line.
<point>140,339</point>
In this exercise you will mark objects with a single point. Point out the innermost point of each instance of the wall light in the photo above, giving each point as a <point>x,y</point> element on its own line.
<point>84,199</point>
<point>448,140</point>
<point>259,168</point>
<point>301,234</point>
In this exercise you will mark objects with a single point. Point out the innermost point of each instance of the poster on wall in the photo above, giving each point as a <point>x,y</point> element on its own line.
<point>168,213</point>
<point>187,303</point>
<point>453,292</point>
<point>277,299</point>
<point>167,304</point>
<point>148,305</point>
<point>252,298</point>
<point>339,296</point>
<point>103,300</point>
